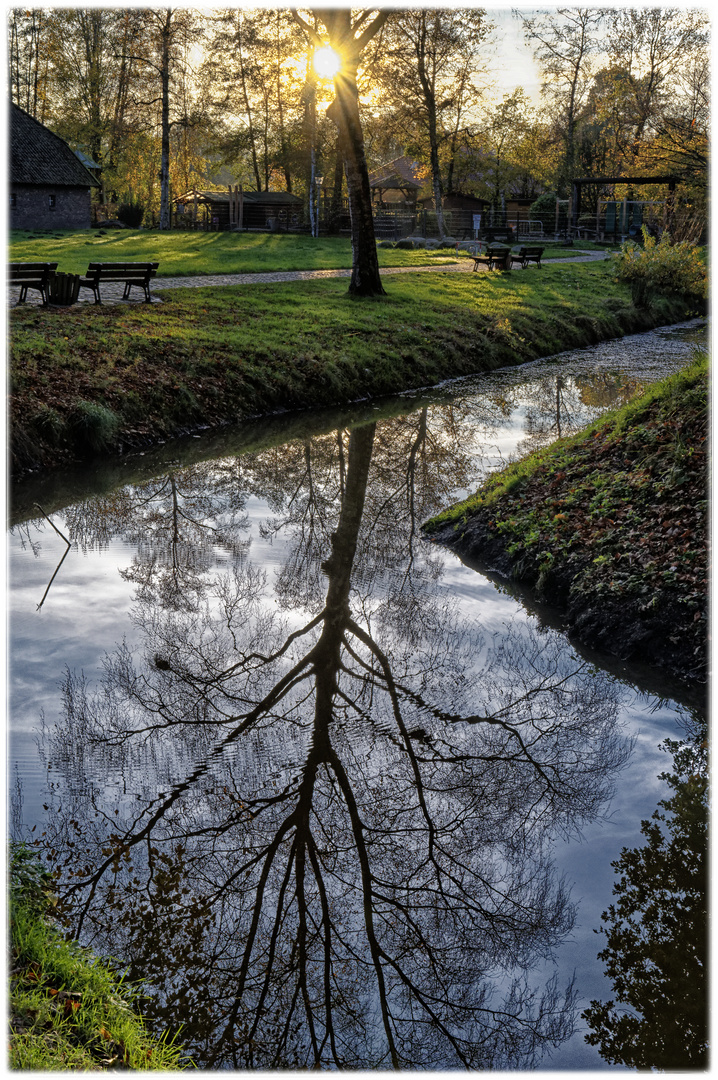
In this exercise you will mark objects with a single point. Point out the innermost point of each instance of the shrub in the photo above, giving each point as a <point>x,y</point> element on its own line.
<point>661,267</point>
<point>131,213</point>
<point>93,426</point>
<point>30,882</point>
<point>544,210</point>
<point>48,424</point>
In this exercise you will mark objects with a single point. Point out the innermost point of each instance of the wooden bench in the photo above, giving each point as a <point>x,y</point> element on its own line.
<point>30,275</point>
<point>129,273</point>
<point>493,257</point>
<point>525,255</point>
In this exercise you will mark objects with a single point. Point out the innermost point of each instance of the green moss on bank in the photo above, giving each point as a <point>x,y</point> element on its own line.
<point>87,380</point>
<point>69,1011</point>
<point>610,525</point>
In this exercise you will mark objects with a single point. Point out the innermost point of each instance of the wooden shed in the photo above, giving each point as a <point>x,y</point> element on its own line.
<point>261,210</point>
<point>49,186</point>
<point>457,201</point>
<point>398,181</point>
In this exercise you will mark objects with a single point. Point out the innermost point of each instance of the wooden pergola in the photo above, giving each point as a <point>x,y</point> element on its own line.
<point>578,185</point>
<point>396,175</point>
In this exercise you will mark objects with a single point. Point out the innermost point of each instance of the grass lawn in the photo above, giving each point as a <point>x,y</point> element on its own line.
<point>183,254</point>
<point>91,379</point>
<point>69,1011</point>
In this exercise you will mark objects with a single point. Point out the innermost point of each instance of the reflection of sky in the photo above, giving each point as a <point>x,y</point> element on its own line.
<point>587,866</point>
<point>86,613</point>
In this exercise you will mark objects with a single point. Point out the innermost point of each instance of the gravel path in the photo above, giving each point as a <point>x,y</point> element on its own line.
<point>112,294</point>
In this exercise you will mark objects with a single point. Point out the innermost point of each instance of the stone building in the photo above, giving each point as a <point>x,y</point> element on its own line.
<point>49,186</point>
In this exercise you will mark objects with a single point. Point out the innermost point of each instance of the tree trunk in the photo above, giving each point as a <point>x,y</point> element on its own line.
<point>344,111</point>
<point>336,203</point>
<point>247,105</point>
<point>436,182</point>
<point>165,155</point>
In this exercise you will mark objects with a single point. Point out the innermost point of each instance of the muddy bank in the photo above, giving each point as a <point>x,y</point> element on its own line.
<point>618,625</point>
<point>610,529</point>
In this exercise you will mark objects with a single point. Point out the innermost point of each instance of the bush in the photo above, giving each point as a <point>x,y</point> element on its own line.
<point>131,214</point>
<point>93,426</point>
<point>544,210</point>
<point>30,882</point>
<point>661,267</point>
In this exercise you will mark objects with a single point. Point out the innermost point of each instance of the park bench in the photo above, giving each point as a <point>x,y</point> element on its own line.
<point>129,273</point>
<point>494,257</point>
<point>525,255</point>
<point>29,275</point>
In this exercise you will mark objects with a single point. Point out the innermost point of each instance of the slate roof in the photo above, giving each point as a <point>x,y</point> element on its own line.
<point>38,156</point>
<point>399,173</point>
<point>86,161</point>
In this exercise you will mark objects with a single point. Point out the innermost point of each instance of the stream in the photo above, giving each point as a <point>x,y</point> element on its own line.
<point>334,796</point>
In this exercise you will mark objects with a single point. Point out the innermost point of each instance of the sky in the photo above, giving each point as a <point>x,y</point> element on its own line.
<point>516,66</point>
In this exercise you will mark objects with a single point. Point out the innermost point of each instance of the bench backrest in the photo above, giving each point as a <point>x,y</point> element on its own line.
<point>531,251</point>
<point>17,270</point>
<point>123,267</point>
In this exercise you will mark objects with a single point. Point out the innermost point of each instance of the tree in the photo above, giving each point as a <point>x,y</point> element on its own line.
<point>429,71</point>
<point>507,125</point>
<point>166,35</point>
<point>564,44</point>
<point>657,932</point>
<point>349,34</point>
<point>653,46</point>
<point>83,91</point>
<point>28,60</point>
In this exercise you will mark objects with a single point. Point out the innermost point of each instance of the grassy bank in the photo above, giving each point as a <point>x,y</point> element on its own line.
<point>610,525</point>
<point>93,380</point>
<point>68,1010</point>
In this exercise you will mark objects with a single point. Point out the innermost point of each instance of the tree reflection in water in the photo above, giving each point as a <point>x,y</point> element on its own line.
<point>330,843</point>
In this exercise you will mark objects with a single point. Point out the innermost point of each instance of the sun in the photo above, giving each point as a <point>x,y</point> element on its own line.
<point>326,62</point>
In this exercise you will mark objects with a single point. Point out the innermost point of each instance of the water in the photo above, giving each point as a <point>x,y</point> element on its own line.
<point>329,791</point>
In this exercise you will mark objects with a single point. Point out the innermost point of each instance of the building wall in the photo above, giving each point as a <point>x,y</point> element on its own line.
<point>30,207</point>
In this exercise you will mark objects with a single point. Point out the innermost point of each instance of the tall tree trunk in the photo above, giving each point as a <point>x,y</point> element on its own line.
<point>436,174</point>
<point>311,133</point>
<point>284,147</point>
<point>165,222</point>
<point>344,111</point>
<point>335,210</point>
